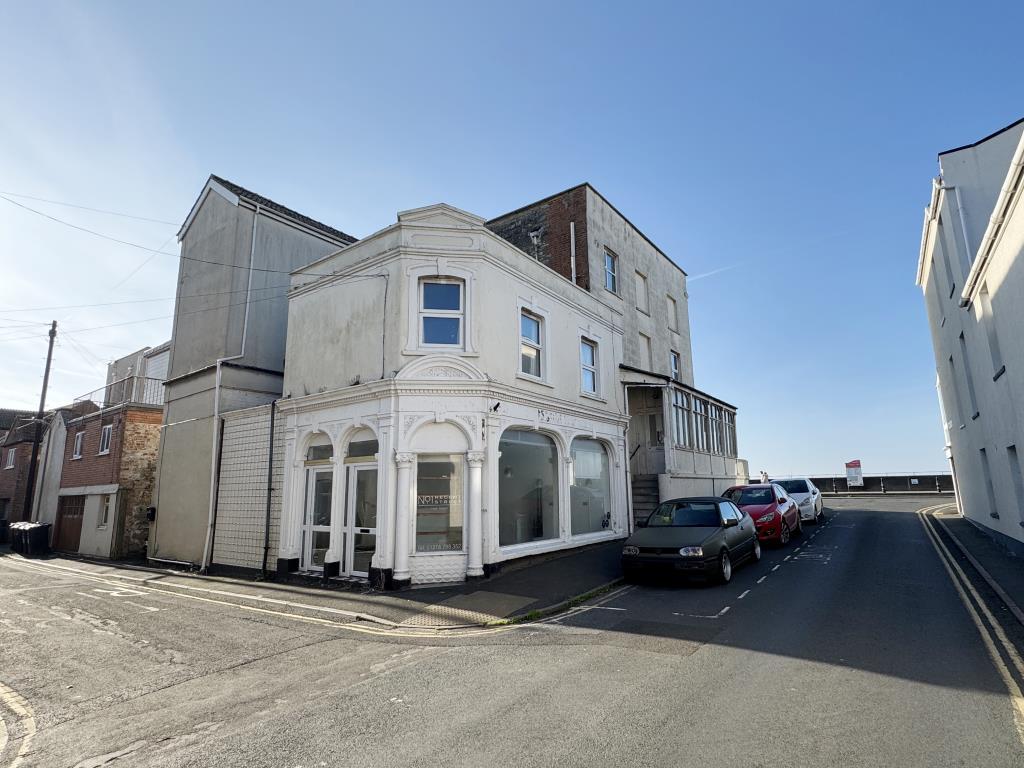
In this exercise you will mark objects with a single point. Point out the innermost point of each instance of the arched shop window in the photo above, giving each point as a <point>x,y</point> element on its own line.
<point>590,490</point>
<point>527,487</point>
<point>320,448</point>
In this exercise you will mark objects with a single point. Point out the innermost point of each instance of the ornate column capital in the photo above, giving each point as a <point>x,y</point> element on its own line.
<point>404,458</point>
<point>475,458</point>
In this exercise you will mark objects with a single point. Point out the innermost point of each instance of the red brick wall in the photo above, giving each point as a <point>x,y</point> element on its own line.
<point>549,220</point>
<point>92,469</point>
<point>13,481</point>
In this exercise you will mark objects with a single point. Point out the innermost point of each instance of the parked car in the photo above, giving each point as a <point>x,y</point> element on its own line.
<point>775,514</point>
<point>807,497</point>
<point>704,535</point>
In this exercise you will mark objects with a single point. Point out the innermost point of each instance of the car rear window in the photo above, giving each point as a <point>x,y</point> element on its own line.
<point>743,496</point>
<point>794,486</point>
<point>676,514</point>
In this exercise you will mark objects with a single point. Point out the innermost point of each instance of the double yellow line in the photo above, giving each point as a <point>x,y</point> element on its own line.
<point>992,635</point>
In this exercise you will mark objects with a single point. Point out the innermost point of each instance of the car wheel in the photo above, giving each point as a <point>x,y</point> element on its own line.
<point>724,568</point>
<point>799,525</point>
<point>756,552</point>
<point>784,535</point>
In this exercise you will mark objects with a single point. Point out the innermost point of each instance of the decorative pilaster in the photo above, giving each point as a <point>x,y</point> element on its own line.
<point>474,520</point>
<point>403,511</point>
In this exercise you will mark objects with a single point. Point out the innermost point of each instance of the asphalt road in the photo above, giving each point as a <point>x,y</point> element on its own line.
<point>850,647</point>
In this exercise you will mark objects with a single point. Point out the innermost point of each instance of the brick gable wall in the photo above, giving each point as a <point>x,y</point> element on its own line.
<point>543,231</point>
<point>14,481</point>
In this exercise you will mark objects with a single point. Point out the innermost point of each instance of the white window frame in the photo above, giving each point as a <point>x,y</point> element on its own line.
<point>106,436</point>
<point>79,439</point>
<point>642,290</point>
<point>106,502</point>
<point>10,459</point>
<point>543,315</point>
<point>436,270</point>
<point>442,313</point>
<point>673,314</point>
<point>537,345</point>
<point>611,274</point>
<point>595,368</point>
<point>674,364</point>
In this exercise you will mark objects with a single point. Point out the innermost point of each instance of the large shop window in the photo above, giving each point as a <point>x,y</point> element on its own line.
<point>527,487</point>
<point>439,503</point>
<point>441,312</point>
<point>590,492</point>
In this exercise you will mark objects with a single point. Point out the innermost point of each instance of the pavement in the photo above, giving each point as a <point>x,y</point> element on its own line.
<point>531,588</point>
<point>1000,569</point>
<point>862,643</point>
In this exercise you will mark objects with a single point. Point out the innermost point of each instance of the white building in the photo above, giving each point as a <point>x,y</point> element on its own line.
<point>451,402</point>
<point>972,274</point>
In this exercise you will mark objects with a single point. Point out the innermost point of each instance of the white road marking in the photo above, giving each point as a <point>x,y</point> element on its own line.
<point>143,607</point>
<point>786,558</point>
<point>762,578</point>
<point>776,567</point>
<point>718,615</point>
<point>745,593</point>
<point>348,626</point>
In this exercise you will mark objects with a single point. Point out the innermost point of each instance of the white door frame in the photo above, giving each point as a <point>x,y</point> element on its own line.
<point>307,512</point>
<point>350,529</point>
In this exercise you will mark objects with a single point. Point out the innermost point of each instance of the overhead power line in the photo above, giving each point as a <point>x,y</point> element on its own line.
<point>127,301</point>
<point>157,250</point>
<point>353,278</point>
<point>87,208</point>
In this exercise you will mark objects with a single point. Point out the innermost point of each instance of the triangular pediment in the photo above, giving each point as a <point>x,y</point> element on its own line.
<point>440,215</point>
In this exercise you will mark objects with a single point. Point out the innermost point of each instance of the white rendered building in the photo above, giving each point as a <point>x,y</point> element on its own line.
<point>971,272</point>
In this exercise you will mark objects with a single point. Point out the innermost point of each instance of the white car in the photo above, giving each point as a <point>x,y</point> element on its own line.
<point>807,497</point>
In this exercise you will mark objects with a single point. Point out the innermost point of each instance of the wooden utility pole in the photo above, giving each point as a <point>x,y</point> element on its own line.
<point>26,513</point>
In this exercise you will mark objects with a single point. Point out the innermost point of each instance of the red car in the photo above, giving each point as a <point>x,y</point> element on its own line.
<point>774,513</point>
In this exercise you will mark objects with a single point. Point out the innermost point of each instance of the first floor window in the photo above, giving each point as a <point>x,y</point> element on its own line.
<point>439,503</point>
<point>674,362</point>
<point>531,338</point>
<point>441,312</point>
<point>588,366</point>
<point>77,454</point>
<point>10,459</point>
<point>105,434</point>
<point>527,487</point>
<point>590,491</point>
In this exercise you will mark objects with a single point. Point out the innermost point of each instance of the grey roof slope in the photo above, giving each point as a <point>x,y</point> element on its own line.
<point>265,202</point>
<point>9,415</point>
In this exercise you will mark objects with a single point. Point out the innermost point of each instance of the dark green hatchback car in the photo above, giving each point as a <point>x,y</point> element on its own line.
<point>703,535</point>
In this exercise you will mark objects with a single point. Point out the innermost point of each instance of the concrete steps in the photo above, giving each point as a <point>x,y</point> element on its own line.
<point>645,495</point>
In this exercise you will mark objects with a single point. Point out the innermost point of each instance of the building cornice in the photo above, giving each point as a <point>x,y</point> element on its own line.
<point>1001,212</point>
<point>391,388</point>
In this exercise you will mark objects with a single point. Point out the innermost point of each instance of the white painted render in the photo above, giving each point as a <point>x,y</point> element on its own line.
<point>453,401</point>
<point>971,272</point>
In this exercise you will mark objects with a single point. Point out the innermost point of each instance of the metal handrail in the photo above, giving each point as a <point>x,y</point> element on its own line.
<point>136,390</point>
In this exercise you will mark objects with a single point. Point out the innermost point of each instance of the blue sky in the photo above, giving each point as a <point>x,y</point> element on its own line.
<point>781,153</point>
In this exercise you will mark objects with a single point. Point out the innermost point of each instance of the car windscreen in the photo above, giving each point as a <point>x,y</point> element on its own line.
<point>741,496</point>
<point>794,486</point>
<point>676,514</point>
